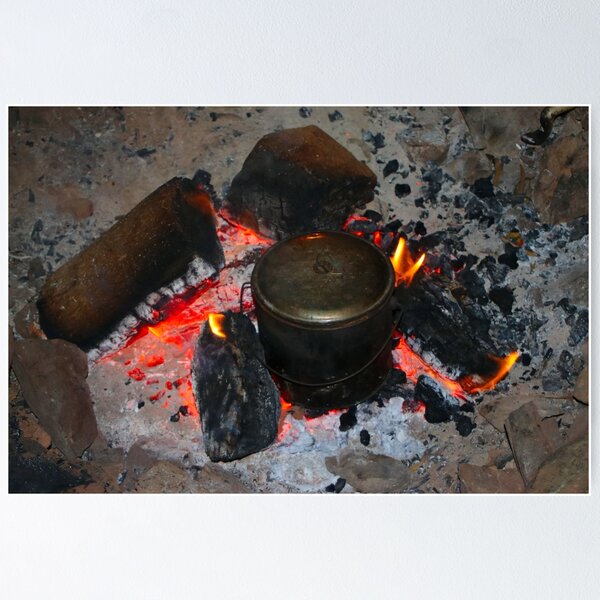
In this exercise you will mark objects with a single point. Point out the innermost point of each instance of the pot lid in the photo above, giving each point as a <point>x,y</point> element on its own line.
<point>323,278</point>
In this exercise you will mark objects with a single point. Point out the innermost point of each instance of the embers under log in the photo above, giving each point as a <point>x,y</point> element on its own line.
<point>238,402</point>
<point>152,245</point>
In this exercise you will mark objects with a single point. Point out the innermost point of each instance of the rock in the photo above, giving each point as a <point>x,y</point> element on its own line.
<point>30,428</point>
<point>372,473</point>
<point>27,321</point>
<point>424,144</point>
<point>68,199</point>
<point>238,402</point>
<point>164,478</point>
<point>561,190</point>
<point>88,488</point>
<point>574,284</point>
<point>212,479</point>
<point>565,471</point>
<point>532,439</point>
<point>138,462</point>
<point>581,391</point>
<point>496,409</point>
<point>469,166</point>
<point>489,480</point>
<point>52,376</point>
<point>299,180</point>
<point>497,130</point>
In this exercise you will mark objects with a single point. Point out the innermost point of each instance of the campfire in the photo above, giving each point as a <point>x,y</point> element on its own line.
<point>184,363</point>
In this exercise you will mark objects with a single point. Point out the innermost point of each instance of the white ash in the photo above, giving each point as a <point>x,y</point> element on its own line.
<point>198,272</point>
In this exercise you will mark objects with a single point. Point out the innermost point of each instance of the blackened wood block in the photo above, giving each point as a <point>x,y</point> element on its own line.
<point>150,246</point>
<point>238,402</point>
<point>52,375</point>
<point>296,181</point>
<point>440,405</point>
<point>456,333</point>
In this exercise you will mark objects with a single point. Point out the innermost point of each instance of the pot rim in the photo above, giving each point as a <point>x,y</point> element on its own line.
<point>324,324</point>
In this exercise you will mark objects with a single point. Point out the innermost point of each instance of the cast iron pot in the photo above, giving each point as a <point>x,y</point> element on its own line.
<point>324,311</point>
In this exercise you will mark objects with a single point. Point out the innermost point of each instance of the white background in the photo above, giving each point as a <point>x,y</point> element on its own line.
<point>301,53</point>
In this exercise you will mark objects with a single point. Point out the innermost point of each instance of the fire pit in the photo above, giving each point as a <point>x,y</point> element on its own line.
<point>454,332</point>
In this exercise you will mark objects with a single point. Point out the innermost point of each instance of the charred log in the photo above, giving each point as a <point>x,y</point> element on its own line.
<point>452,326</point>
<point>236,397</point>
<point>296,181</point>
<point>152,245</point>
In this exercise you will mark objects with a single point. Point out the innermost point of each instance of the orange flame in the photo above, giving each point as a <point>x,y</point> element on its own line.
<point>413,365</point>
<point>215,322</point>
<point>404,266</point>
<point>505,365</point>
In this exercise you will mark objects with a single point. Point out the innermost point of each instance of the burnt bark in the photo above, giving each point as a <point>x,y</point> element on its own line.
<point>238,402</point>
<point>297,181</point>
<point>150,246</point>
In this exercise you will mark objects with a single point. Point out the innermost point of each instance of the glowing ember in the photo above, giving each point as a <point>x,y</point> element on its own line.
<point>413,365</point>
<point>404,266</point>
<point>504,366</point>
<point>215,322</point>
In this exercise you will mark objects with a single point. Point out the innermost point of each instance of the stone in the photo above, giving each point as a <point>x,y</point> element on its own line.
<point>424,144</point>
<point>137,462</point>
<point>497,130</point>
<point>237,400</point>
<point>489,480</point>
<point>30,428</point>
<point>581,390</point>
<point>52,375</point>
<point>69,199</point>
<point>372,473</point>
<point>532,439</point>
<point>298,180</point>
<point>469,166</point>
<point>164,478</point>
<point>565,471</point>
<point>27,321</point>
<point>212,479</point>
<point>496,409</point>
<point>560,192</point>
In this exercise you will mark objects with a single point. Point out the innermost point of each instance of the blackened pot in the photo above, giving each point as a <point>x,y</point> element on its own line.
<point>323,305</point>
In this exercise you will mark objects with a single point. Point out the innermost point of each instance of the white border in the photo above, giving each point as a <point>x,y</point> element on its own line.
<point>256,53</point>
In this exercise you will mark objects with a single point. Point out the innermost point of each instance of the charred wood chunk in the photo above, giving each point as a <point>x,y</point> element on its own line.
<point>456,333</point>
<point>152,245</point>
<point>236,397</point>
<point>296,181</point>
<point>440,405</point>
<point>52,375</point>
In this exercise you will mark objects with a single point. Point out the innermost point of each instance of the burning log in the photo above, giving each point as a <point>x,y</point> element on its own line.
<point>150,246</point>
<point>238,402</point>
<point>296,181</point>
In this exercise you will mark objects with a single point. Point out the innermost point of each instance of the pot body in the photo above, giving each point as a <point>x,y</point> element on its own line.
<point>323,305</point>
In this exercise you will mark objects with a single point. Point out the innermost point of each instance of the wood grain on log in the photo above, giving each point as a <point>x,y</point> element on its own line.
<point>147,248</point>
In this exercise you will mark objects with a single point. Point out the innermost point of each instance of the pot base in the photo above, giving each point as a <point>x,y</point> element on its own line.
<point>351,391</point>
